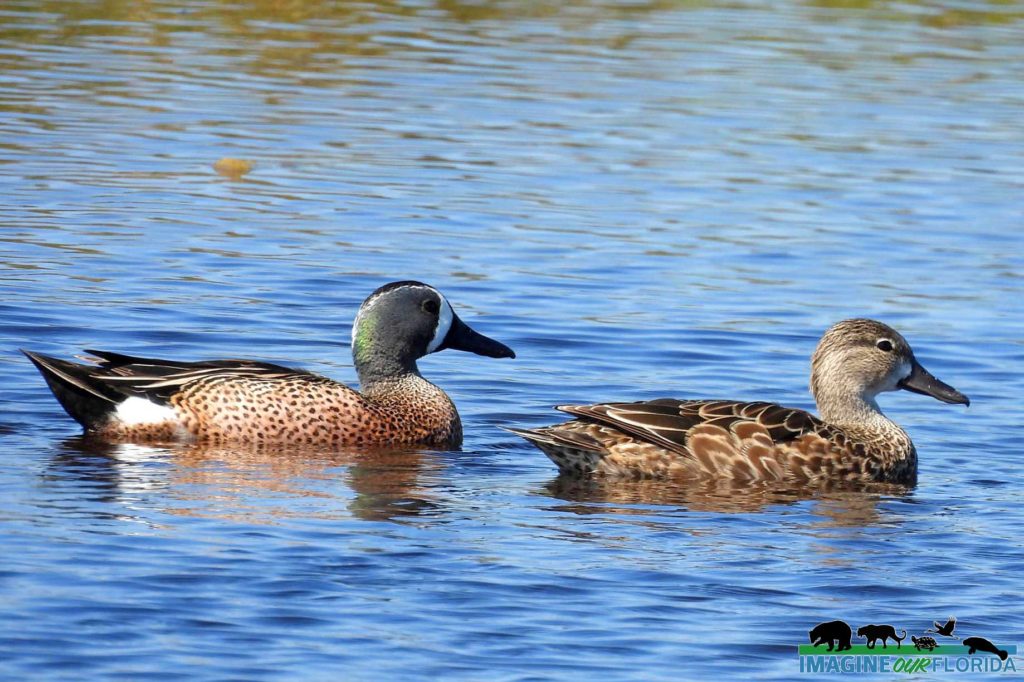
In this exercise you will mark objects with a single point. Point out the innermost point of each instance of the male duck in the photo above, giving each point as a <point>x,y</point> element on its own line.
<point>133,398</point>
<point>854,362</point>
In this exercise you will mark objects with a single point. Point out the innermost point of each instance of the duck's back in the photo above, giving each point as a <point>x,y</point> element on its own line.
<point>703,438</point>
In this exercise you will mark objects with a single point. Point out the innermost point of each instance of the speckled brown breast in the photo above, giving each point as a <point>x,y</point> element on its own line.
<point>305,408</point>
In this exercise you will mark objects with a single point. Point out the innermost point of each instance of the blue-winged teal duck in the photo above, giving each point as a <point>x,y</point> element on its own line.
<point>131,398</point>
<point>852,440</point>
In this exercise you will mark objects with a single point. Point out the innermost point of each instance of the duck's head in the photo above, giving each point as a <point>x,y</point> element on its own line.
<point>402,321</point>
<point>858,359</point>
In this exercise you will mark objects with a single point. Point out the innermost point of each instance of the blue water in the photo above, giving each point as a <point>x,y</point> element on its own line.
<point>643,200</point>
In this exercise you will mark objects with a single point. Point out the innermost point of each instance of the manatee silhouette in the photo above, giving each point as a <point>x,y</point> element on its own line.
<point>982,644</point>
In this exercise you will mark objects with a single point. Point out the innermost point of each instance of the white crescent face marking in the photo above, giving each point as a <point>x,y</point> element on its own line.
<point>444,323</point>
<point>136,411</point>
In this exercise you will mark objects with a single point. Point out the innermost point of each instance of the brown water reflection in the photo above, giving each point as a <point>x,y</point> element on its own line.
<point>293,32</point>
<point>258,484</point>
<point>838,504</point>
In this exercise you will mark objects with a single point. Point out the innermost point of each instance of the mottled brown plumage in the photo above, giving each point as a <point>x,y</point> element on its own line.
<point>759,441</point>
<point>143,399</point>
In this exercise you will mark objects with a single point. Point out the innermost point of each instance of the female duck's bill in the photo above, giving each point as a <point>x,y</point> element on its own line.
<point>721,439</point>
<point>146,399</point>
<point>921,381</point>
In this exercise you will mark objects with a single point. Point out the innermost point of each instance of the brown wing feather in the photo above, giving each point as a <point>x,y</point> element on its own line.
<point>714,447</point>
<point>668,422</point>
<point>160,379</point>
<point>755,440</point>
<point>561,437</point>
<point>650,422</point>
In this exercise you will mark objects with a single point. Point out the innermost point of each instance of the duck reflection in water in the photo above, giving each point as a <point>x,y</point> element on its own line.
<point>838,504</point>
<point>251,483</point>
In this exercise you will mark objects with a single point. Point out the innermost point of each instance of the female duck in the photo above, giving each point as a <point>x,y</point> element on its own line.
<point>854,362</point>
<point>129,398</point>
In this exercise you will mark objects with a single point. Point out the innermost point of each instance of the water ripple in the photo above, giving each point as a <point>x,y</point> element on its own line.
<point>644,200</point>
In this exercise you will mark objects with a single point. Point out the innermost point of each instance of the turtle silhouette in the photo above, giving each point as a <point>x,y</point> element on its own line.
<point>928,643</point>
<point>982,644</point>
<point>945,630</point>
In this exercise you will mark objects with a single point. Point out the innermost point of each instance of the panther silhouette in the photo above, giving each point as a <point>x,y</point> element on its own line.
<point>872,633</point>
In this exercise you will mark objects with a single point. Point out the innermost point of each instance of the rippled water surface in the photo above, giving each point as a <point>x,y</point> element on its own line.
<point>642,199</point>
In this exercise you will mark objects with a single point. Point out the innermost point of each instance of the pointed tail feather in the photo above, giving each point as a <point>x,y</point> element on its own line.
<point>559,438</point>
<point>88,401</point>
<point>529,434</point>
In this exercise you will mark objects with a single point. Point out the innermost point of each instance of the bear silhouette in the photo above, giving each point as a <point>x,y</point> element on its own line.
<point>832,632</point>
<point>872,633</point>
<point>982,644</point>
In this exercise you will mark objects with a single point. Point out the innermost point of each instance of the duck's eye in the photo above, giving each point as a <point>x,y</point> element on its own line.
<point>432,306</point>
<point>884,344</point>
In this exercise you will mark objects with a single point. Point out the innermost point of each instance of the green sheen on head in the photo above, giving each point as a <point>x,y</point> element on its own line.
<point>362,337</point>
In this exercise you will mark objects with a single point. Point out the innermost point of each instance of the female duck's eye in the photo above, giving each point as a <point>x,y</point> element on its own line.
<point>431,306</point>
<point>884,344</point>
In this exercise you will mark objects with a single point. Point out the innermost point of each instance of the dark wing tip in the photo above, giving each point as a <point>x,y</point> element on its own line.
<point>45,363</point>
<point>31,355</point>
<point>519,432</point>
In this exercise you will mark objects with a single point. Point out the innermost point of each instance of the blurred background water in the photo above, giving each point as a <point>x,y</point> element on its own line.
<point>643,199</point>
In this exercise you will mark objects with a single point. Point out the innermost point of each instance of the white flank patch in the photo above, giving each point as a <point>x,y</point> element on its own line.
<point>139,411</point>
<point>444,323</point>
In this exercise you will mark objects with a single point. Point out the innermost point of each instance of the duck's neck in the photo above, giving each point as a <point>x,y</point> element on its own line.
<point>375,362</point>
<point>388,381</point>
<point>402,392</point>
<point>848,408</point>
<point>858,415</point>
<point>408,392</point>
<point>387,376</point>
<point>383,370</point>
